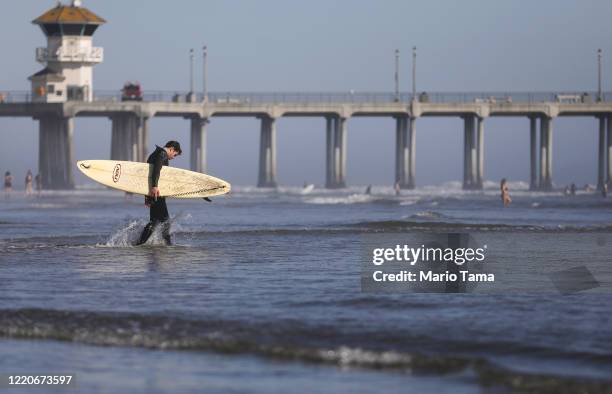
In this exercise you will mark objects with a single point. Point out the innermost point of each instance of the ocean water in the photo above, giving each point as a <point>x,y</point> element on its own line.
<point>261,293</point>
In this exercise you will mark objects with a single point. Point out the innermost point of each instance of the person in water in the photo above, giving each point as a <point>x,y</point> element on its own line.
<point>28,183</point>
<point>158,211</point>
<point>505,194</point>
<point>8,183</point>
<point>38,184</point>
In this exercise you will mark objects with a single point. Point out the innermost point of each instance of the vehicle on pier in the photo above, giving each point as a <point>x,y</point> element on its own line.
<point>131,92</point>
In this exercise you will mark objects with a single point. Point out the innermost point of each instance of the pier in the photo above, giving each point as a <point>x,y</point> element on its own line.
<point>130,119</point>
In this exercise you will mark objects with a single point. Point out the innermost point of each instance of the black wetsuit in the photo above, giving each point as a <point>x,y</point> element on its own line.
<point>158,210</point>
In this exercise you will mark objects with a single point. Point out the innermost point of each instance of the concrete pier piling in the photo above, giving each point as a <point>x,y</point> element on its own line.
<point>143,138</point>
<point>197,154</point>
<point>468,152</point>
<point>549,139</point>
<point>543,148</point>
<point>601,154</point>
<point>479,153</point>
<point>401,150</point>
<point>335,156</point>
<point>117,140</point>
<point>609,150</point>
<point>340,149</point>
<point>405,149</point>
<point>56,151</point>
<point>412,154</point>
<point>548,184</point>
<point>129,137</point>
<point>267,153</point>
<point>329,151</point>
<point>473,155</point>
<point>534,183</point>
<point>545,153</point>
<point>473,152</point>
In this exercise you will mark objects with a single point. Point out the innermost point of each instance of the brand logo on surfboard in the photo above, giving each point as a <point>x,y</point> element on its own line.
<point>116,173</point>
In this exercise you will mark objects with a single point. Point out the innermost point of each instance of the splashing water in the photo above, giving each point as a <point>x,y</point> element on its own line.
<point>128,234</point>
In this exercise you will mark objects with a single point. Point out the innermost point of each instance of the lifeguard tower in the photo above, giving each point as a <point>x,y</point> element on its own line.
<point>69,56</point>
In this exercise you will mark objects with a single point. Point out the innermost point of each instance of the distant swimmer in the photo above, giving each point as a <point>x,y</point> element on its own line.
<point>158,211</point>
<point>604,190</point>
<point>28,183</point>
<point>505,194</point>
<point>368,190</point>
<point>397,188</point>
<point>8,183</point>
<point>573,189</point>
<point>38,184</point>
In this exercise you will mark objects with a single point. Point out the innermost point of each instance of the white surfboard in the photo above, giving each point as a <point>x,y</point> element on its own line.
<point>133,177</point>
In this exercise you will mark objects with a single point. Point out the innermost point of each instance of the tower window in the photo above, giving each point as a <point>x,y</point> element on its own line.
<point>72,30</point>
<point>89,30</point>
<point>51,29</point>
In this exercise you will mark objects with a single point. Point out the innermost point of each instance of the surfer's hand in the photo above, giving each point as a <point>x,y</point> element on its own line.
<point>154,192</point>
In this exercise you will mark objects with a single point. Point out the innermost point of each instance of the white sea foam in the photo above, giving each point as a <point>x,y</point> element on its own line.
<point>425,215</point>
<point>350,199</point>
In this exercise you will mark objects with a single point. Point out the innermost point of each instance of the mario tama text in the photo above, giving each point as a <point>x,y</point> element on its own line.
<point>433,263</point>
<point>486,262</point>
<point>434,255</point>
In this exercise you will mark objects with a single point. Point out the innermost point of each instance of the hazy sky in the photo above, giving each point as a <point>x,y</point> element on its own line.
<point>333,46</point>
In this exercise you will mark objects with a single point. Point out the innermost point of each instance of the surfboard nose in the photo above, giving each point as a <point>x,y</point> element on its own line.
<point>83,165</point>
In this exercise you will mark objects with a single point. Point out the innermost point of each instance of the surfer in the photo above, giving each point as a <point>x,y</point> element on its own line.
<point>158,211</point>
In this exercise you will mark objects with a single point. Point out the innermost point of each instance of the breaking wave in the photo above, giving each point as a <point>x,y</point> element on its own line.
<point>286,340</point>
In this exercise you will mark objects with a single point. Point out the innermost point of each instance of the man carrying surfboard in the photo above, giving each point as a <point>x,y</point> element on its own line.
<point>158,211</point>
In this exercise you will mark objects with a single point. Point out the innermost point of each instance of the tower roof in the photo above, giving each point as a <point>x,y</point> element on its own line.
<point>69,14</point>
<point>47,74</point>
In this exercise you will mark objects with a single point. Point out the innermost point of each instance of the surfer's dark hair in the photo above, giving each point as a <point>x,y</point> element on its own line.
<point>175,145</point>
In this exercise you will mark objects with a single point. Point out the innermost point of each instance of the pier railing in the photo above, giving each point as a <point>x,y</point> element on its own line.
<point>350,97</point>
